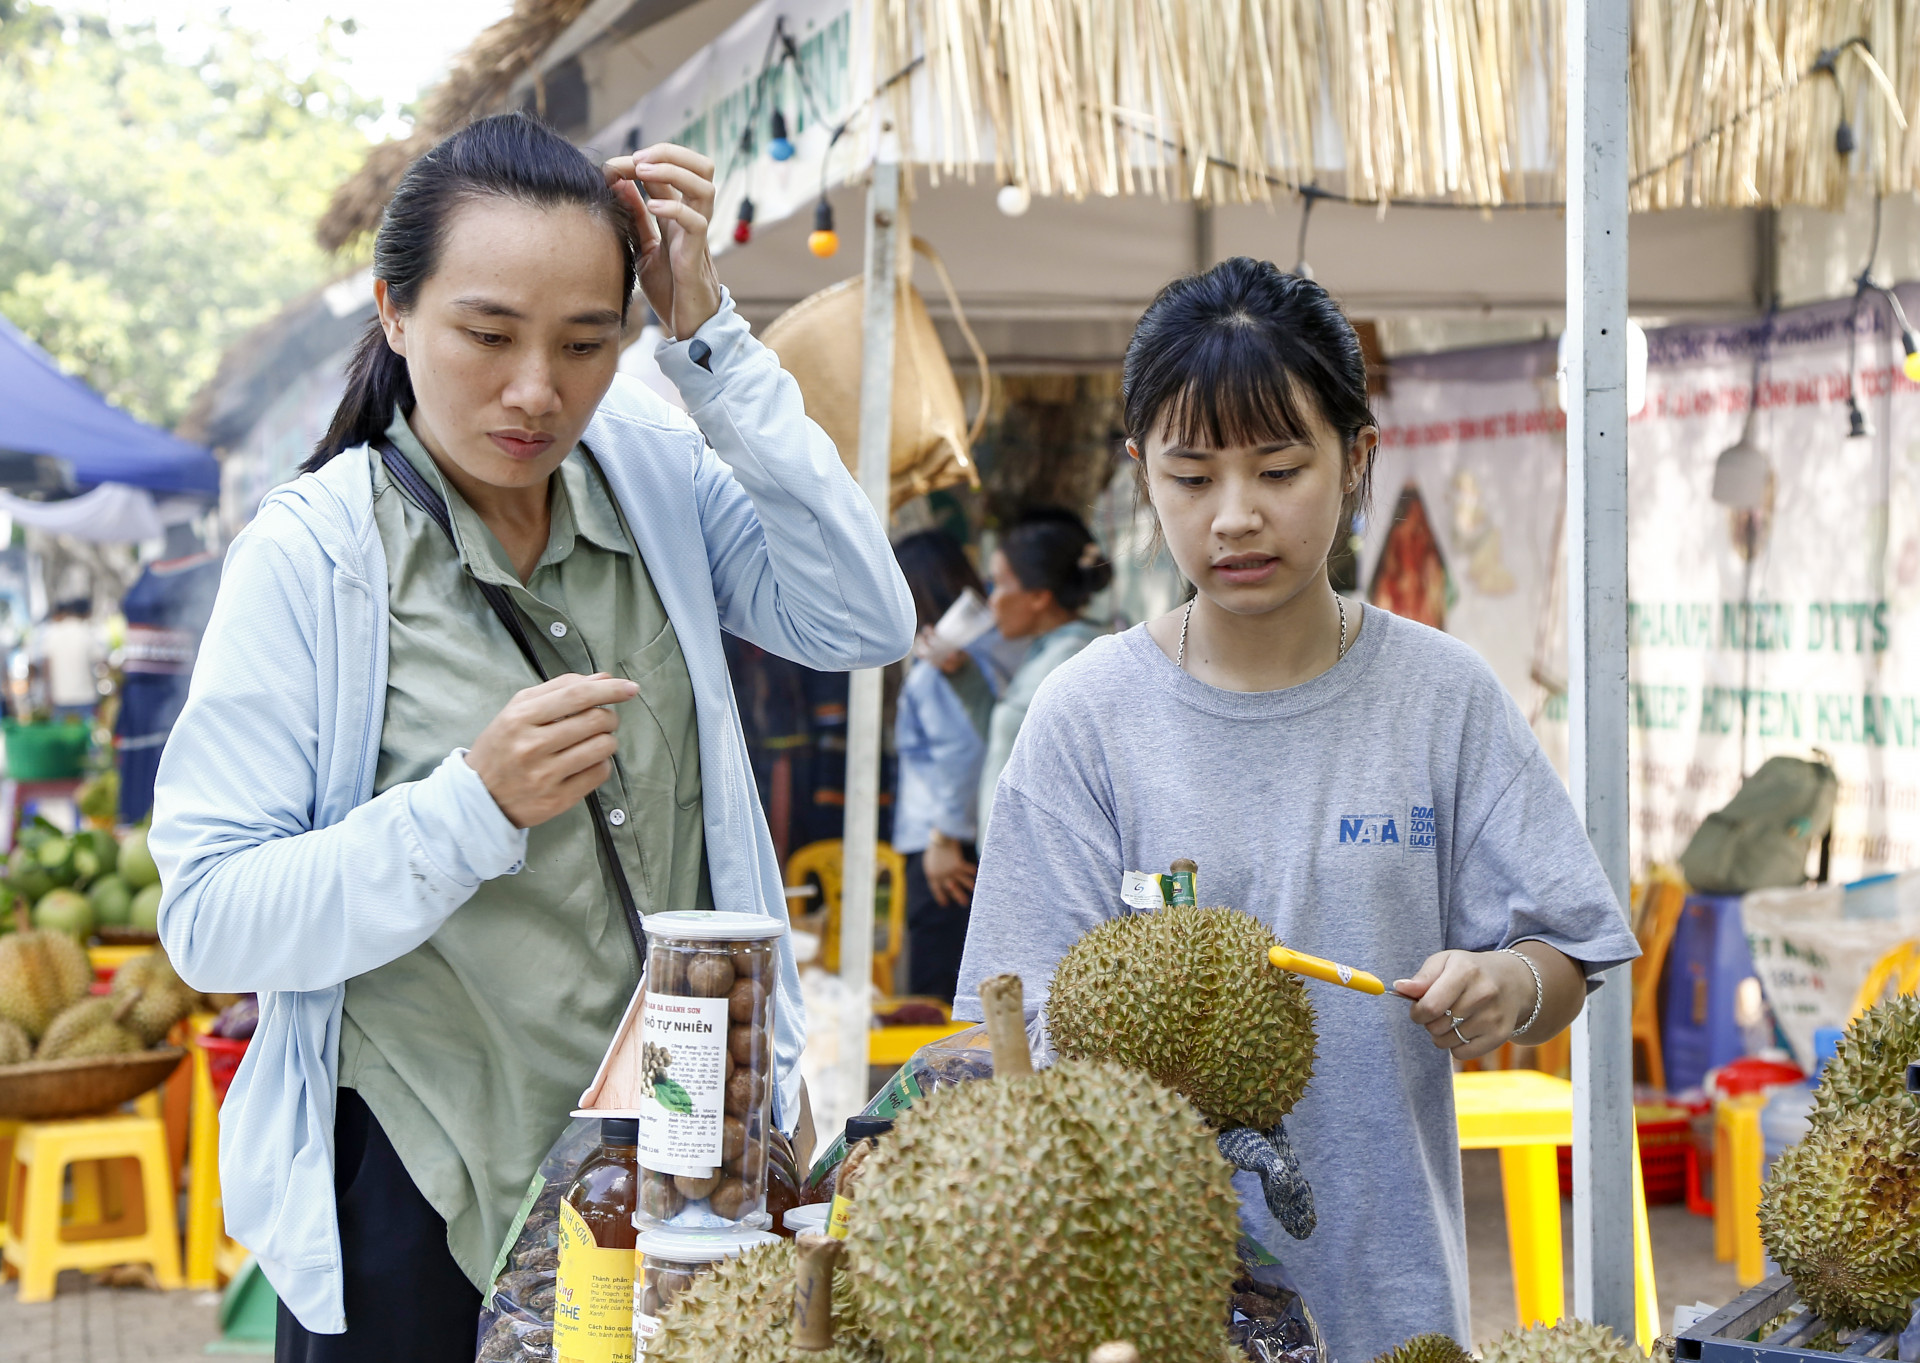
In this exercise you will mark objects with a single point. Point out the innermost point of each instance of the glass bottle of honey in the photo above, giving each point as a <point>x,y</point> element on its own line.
<point>593,1289</point>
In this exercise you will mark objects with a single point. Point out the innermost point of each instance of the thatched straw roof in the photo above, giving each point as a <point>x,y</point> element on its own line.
<point>1453,100</point>
<point>478,80</point>
<point>1462,101</point>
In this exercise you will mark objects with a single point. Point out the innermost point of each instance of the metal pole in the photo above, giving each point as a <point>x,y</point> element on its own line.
<point>861,830</point>
<point>1603,1258</point>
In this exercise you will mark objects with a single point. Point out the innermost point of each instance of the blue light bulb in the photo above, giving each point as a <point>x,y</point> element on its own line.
<point>779,146</point>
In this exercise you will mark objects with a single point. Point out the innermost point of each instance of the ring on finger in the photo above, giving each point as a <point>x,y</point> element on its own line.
<point>1464,1039</point>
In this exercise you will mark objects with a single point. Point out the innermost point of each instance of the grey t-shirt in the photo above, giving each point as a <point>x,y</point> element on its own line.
<point>1394,806</point>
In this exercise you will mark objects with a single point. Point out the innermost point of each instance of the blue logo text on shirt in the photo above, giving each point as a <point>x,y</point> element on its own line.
<point>1368,830</point>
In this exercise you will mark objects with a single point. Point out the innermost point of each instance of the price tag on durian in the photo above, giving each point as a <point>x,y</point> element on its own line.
<point>1141,890</point>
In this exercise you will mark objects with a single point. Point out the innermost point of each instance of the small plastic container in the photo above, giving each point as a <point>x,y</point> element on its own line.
<point>809,1219</point>
<point>707,1046</point>
<point>668,1261</point>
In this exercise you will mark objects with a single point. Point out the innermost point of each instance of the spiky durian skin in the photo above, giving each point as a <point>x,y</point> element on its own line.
<point>1435,1348</point>
<point>1038,1217</point>
<point>1571,1341</point>
<point>1187,996</point>
<point>1840,1214</point>
<point>86,1030</point>
<point>742,1312</point>
<point>1870,1064</point>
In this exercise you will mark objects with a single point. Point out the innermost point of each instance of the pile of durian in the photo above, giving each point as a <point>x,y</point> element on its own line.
<point>47,1011</point>
<point>1044,1215</point>
<point>1840,1212</point>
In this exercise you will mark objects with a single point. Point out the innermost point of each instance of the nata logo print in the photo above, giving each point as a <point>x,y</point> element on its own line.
<point>1369,830</point>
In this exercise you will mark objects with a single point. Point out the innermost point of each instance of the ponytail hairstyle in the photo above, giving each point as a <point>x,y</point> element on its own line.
<point>507,156</point>
<point>1233,356</point>
<point>1051,549</point>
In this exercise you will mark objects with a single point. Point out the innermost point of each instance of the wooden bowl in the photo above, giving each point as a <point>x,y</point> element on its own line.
<point>127,937</point>
<point>47,1090</point>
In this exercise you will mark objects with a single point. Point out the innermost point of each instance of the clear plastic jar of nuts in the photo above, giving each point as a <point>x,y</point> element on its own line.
<point>707,1053</point>
<point>669,1260</point>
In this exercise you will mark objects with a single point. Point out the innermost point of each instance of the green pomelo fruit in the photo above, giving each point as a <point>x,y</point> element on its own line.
<point>144,912</point>
<point>136,862</point>
<point>64,911</point>
<point>112,900</point>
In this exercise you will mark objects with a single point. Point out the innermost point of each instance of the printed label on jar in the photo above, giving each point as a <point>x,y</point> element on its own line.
<point>684,1042</point>
<point>592,1297</point>
<point>645,1327</point>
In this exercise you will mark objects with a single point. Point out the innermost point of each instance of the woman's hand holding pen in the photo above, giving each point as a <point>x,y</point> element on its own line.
<point>671,220</point>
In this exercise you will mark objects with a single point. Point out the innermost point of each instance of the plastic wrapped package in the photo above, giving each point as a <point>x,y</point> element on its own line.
<point>516,1320</point>
<point>1268,1318</point>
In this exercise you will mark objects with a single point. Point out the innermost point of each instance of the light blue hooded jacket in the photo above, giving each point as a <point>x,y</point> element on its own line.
<point>285,875</point>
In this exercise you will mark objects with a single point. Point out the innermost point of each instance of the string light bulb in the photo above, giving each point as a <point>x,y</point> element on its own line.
<point>1910,366</point>
<point>823,241</point>
<point>743,225</point>
<point>779,145</point>
<point>1013,199</point>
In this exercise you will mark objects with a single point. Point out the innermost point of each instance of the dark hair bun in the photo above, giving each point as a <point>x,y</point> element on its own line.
<point>1051,549</point>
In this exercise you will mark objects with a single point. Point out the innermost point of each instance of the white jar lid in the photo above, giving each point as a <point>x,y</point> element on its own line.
<point>710,925</point>
<point>811,1218</point>
<point>680,1245</point>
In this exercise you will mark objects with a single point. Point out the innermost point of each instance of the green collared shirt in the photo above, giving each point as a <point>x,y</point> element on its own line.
<point>472,1048</point>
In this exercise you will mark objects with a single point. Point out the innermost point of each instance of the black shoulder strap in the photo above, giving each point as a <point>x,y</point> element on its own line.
<point>403,473</point>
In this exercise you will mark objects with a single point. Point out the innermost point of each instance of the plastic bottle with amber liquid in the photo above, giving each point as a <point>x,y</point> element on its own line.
<point>593,1289</point>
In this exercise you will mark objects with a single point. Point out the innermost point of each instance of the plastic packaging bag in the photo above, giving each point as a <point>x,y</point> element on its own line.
<point>516,1320</point>
<point>1270,1321</point>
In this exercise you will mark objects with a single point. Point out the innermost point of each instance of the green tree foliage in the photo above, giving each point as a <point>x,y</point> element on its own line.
<point>152,209</point>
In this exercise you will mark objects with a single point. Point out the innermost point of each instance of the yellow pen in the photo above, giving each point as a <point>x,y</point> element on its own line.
<point>1333,973</point>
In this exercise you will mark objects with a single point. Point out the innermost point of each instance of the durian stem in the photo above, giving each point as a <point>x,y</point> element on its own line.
<point>1118,1351</point>
<point>128,1002</point>
<point>813,1291</point>
<point>1003,1000</point>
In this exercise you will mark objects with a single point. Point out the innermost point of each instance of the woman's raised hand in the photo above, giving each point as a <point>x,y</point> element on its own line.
<point>550,746</point>
<point>676,271</point>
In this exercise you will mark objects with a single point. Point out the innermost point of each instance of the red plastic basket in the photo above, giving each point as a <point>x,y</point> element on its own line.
<point>1663,1160</point>
<point>223,1061</point>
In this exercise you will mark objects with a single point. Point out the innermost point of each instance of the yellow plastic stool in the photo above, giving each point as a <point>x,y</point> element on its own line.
<point>8,1128</point>
<point>213,1257</point>
<point>34,1246</point>
<point>1526,1116</point>
<point>1739,1151</point>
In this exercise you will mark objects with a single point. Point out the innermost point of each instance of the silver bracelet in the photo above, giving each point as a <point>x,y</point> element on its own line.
<point>1539,991</point>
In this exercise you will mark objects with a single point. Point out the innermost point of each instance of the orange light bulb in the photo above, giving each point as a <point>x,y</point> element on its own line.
<point>823,244</point>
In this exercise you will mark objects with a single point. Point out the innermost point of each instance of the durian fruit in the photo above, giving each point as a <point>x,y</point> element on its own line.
<point>1187,996</point>
<point>15,1045</point>
<point>1435,1348</point>
<point>1042,1215</point>
<point>164,997</point>
<point>1840,1214</point>
<point>92,1027</point>
<point>41,974</point>
<point>1571,1341</point>
<point>1870,1064</point>
<point>742,1312</point>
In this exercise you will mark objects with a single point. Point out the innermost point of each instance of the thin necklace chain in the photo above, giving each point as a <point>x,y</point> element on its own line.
<point>1186,620</point>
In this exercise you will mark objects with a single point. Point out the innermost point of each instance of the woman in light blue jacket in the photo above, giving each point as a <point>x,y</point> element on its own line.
<point>462,719</point>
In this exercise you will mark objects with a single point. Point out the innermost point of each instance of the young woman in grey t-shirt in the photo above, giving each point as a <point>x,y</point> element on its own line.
<point>1361,783</point>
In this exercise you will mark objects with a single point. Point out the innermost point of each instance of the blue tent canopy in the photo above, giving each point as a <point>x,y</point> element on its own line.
<point>44,411</point>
